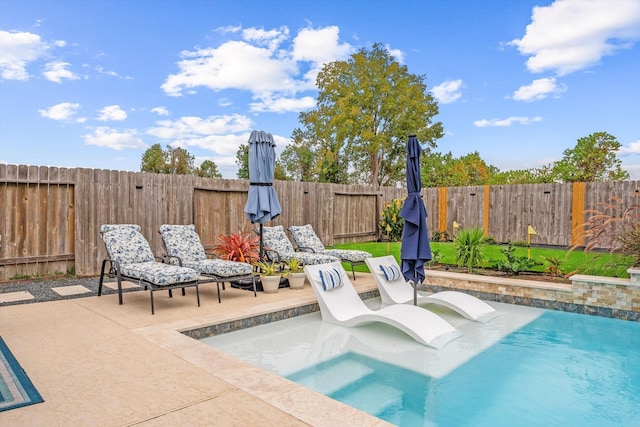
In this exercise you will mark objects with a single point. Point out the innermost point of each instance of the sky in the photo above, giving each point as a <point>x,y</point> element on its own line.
<point>95,83</point>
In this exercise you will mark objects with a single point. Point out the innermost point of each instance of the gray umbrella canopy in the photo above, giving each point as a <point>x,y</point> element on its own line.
<point>415,250</point>
<point>262,203</point>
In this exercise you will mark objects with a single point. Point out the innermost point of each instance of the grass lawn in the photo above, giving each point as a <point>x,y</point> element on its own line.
<point>575,262</point>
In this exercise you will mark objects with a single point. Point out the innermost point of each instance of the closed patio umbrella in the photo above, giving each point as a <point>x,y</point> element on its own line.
<point>415,249</point>
<point>262,202</point>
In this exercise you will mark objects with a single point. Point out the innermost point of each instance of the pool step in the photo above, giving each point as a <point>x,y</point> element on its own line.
<point>374,398</point>
<point>335,377</point>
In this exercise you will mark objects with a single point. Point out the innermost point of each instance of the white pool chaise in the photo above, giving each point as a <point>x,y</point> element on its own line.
<point>395,290</point>
<point>340,304</point>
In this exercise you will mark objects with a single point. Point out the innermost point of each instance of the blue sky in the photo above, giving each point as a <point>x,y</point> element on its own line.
<point>93,83</point>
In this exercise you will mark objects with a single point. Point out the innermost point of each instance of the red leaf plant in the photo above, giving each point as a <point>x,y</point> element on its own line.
<point>239,247</point>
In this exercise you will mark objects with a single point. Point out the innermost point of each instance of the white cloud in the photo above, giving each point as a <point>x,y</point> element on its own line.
<point>63,111</point>
<point>260,63</point>
<point>633,148</point>
<point>161,111</point>
<point>56,71</point>
<point>112,113</point>
<point>570,35</point>
<point>448,91</point>
<point>17,50</point>
<point>112,138</point>
<point>397,54</point>
<point>282,105</point>
<point>538,89</point>
<point>506,122</point>
<point>221,134</point>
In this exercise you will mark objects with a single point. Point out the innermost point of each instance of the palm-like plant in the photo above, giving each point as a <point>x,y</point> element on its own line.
<point>468,244</point>
<point>239,247</point>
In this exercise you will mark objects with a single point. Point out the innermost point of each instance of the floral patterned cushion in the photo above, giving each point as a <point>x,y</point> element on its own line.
<point>276,239</point>
<point>183,241</point>
<point>306,237</point>
<point>126,244</point>
<point>220,267</point>
<point>159,273</point>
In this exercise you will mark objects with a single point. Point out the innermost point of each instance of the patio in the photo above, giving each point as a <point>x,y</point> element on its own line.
<point>98,363</point>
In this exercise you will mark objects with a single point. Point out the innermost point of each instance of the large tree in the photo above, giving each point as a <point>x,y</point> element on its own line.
<point>208,169</point>
<point>366,108</point>
<point>593,159</point>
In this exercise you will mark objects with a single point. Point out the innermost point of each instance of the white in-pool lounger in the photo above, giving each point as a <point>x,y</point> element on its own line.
<point>340,304</point>
<point>395,290</point>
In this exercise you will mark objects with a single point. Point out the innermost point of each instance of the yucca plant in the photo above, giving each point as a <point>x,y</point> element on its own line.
<point>239,247</point>
<point>468,248</point>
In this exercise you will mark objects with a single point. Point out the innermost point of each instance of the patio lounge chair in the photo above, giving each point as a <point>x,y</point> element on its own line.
<point>307,240</point>
<point>278,248</point>
<point>340,304</point>
<point>395,290</point>
<point>131,258</point>
<point>185,248</point>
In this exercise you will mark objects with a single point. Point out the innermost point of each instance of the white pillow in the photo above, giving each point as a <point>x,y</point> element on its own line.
<point>391,272</point>
<point>331,279</point>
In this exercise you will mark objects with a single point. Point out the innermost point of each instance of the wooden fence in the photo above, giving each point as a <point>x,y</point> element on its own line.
<point>50,217</point>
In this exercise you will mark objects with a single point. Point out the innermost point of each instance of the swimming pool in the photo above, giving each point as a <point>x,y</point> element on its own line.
<point>528,367</point>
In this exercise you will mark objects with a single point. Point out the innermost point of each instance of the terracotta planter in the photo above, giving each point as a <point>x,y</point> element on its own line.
<point>296,280</point>
<point>270,284</point>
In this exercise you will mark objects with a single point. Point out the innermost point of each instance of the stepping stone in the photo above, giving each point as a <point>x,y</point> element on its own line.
<point>70,290</point>
<point>125,285</point>
<point>15,296</point>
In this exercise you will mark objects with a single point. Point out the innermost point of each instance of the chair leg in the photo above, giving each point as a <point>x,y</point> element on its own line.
<point>218,285</point>
<point>353,271</point>
<point>253,280</point>
<point>104,263</point>
<point>153,311</point>
<point>197,294</point>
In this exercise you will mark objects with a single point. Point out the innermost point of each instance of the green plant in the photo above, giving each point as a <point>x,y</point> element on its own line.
<point>239,247</point>
<point>436,257</point>
<point>513,264</point>
<point>268,268</point>
<point>468,248</point>
<point>552,266</point>
<point>294,265</point>
<point>391,223</point>
<point>520,243</point>
<point>490,240</point>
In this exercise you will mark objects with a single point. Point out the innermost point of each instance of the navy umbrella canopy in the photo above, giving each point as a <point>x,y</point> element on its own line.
<point>415,249</point>
<point>262,202</point>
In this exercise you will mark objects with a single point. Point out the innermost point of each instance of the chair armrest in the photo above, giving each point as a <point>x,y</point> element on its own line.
<point>167,259</point>
<point>305,249</point>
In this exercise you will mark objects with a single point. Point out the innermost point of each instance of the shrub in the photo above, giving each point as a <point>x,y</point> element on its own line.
<point>513,264</point>
<point>552,266</point>
<point>468,248</point>
<point>391,223</point>
<point>616,228</point>
<point>440,236</point>
<point>436,257</point>
<point>237,247</point>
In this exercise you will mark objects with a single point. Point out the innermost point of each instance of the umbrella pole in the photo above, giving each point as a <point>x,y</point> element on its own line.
<point>261,244</point>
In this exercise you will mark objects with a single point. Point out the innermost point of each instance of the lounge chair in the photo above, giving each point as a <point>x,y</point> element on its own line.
<point>395,290</point>
<point>131,258</point>
<point>185,248</point>
<point>278,248</point>
<point>307,240</point>
<point>340,304</point>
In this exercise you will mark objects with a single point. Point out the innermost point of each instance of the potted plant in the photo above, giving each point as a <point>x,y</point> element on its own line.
<point>270,273</point>
<point>295,274</point>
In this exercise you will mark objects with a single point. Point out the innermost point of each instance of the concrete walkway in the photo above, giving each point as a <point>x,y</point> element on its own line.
<point>98,363</point>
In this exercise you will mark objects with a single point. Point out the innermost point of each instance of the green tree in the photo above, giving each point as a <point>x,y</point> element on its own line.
<point>298,159</point>
<point>367,105</point>
<point>153,160</point>
<point>178,161</point>
<point>593,159</point>
<point>242,160</point>
<point>208,169</point>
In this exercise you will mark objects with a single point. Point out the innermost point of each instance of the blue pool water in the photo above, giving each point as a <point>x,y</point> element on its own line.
<point>561,369</point>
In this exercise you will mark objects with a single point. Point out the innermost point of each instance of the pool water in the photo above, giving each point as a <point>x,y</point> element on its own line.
<point>560,369</point>
<point>529,367</point>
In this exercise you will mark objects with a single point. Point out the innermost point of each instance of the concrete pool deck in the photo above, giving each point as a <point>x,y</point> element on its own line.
<point>99,363</point>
